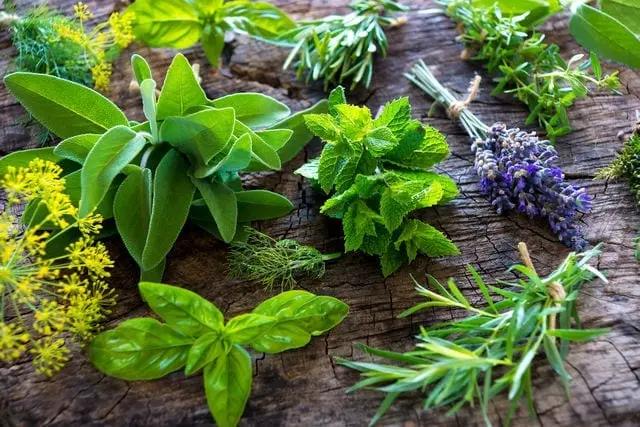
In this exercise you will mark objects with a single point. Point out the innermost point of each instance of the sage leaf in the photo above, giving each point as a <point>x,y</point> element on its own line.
<point>246,328</point>
<point>238,158</point>
<point>148,93</point>
<point>262,151</point>
<point>22,158</point>
<point>166,23</point>
<point>276,138</point>
<point>255,205</point>
<point>140,349</point>
<point>180,90</point>
<point>253,109</point>
<point>132,211</point>
<point>172,196</point>
<point>227,384</point>
<point>605,35</point>
<point>111,153</point>
<point>184,310</point>
<point>64,107</point>
<point>625,11</point>
<point>77,147</point>
<point>141,69</point>
<point>222,204</point>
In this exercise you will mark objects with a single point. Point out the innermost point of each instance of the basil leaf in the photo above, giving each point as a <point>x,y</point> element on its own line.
<point>255,205</point>
<point>238,158</point>
<point>201,135</point>
<point>77,147</point>
<point>247,328</point>
<point>262,151</point>
<point>132,211</point>
<point>180,90</point>
<point>141,69</point>
<point>605,35</point>
<point>625,11</point>
<point>221,201</point>
<point>299,315</point>
<point>172,195</point>
<point>258,19</point>
<point>140,349</point>
<point>213,43</point>
<point>148,93</point>
<point>227,384</point>
<point>182,309</point>
<point>208,7</point>
<point>203,352</point>
<point>166,23</point>
<point>64,107</point>
<point>113,151</point>
<point>255,110</point>
<point>22,158</point>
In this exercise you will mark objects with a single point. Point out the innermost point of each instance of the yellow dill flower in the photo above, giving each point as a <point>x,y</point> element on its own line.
<point>96,260</point>
<point>101,73</point>
<point>35,242</point>
<point>122,28</point>
<point>82,11</point>
<point>69,33</point>
<point>49,355</point>
<point>13,340</point>
<point>16,185</point>
<point>25,290</point>
<point>72,285</point>
<point>49,318</point>
<point>90,224</point>
<point>59,207</point>
<point>45,177</point>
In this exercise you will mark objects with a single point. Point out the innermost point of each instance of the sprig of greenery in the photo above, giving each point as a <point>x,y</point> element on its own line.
<point>340,48</point>
<point>472,360</point>
<point>378,171</point>
<point>275,262</point>
<point>529,69</point>
<point>196,337</point>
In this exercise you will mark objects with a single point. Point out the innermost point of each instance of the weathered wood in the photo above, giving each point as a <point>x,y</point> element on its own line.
<point>305,387</point>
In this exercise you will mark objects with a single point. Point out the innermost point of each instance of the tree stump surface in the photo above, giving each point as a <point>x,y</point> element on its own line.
<point>305,387</point>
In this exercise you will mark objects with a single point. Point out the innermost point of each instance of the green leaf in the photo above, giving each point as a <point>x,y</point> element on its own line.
<point>222,203</point>
<point>140,349</point>
<point>432,150</point>
<point>420,237</point>
<point>200,136</point>
<point>245,328</point>
<point>255,205</point>
<point>262,151</point>
<point>238,158</point>
<point>275,138</point>
<point>258,19</point>
<point>380,141</point>
<point>155,274</point>
<point>149,107</point>
<point>113,151</point>
<point>255,110</point>
<point>132,211</point>
<point>604,35</point>
<point>64,107</point>
<point>180,90</point>
<point>172,196</point>
<point>77,147</point>
<point>625,11</point>
<point>578,334</point>
<point>331,161</point>
<point>166,23</point>
<point>182,309</point>
<point>22,158</point>
<point>391,260</point>
<point>227,384</point>
<point>336,97</point>
<point>355,121</point>
<point>395,115</point>
<point>323,126</point>
<point>205,350</point>
<point>299,315</point>
<point>208,7</point>
<point>141,69</point>
<point>359,221</point>
<point>309,170</point>
<point>213,43</point>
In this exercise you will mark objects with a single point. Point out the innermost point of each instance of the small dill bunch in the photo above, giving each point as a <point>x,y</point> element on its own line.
<point>275,262</point>
<point>46,294</point>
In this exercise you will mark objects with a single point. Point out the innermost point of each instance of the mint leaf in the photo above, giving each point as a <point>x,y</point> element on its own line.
<point>380,141</point>
<point>323,126</point>
<point>354,121</point>
<point>417,237</point>
<point>395,115</point>
<point>391,261</point>
<point>336,97</point>
<point>358,221</point>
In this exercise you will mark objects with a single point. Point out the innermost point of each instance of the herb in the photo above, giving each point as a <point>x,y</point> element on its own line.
<point>339,48</point>
<point>516,169</point>
<point>195,337</point>
<point>529,69</point>
<point>275,262</point>
<point>54,277</point>
<point>377,171</point>
<point>472,360</point>
<point>182,164</point>
<point>180,24</point>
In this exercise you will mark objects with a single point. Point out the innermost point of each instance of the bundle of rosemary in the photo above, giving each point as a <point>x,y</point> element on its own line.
<point>517,169</point>
<point>472,360</point>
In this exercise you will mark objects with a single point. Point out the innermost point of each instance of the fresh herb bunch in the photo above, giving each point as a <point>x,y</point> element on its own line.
<point>517,169</point>
<point>472,360</point>
<point>340,48</point>
<point>377,171</point>
<point>54,278</point>
<point>50,43</point>
<point>182,164</point>
<point>195,337</point>
<point>180,24</point>
<point>529,69</point>
<point>275,262</point>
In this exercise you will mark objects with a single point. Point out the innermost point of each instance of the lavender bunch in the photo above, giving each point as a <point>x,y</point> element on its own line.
<point>517,169</point>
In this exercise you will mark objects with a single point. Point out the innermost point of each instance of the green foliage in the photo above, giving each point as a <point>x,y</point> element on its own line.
<point>275,262</point>
<point>340,48</point>
<point>376,171</point>
<point>180,24</point>
<point>526,67</point>
<point>195,337</point>
<point>469,361</point>
<point>183,164</point>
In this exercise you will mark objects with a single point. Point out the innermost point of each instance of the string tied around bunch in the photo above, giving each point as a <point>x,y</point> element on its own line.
<point>456,107</point>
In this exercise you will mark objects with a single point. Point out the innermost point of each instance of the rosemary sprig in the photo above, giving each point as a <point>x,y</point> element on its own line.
<point>472,360</point>
<point>275,262</point>
<point>338,48</point>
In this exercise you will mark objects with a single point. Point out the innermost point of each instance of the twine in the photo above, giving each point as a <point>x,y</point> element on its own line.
<point>456,108</point>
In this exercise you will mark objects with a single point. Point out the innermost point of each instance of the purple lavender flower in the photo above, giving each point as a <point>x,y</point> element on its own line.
<point>517,171</point>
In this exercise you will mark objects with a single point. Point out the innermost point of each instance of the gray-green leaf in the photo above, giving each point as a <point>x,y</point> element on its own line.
<point>222,203</point>
<point>180,90</point>
<point>132,211</point>
<point>254,109</point>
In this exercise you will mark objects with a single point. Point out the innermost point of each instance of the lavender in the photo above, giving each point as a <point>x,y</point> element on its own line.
<point>517,169</point>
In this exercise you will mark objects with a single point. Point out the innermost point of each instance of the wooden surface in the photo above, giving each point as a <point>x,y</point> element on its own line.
<point>305,387</point>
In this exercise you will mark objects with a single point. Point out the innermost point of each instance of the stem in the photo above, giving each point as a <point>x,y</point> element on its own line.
<point>332,256</point>
<point>146,155</point>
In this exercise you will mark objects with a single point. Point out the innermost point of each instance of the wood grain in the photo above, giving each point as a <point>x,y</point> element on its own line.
<point>305,387</point>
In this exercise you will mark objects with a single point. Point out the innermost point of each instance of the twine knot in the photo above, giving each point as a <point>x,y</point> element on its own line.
<point>456,108</point>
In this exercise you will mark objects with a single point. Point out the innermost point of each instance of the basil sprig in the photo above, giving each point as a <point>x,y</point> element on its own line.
<point>195,337</point>
<point>180,165</point>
